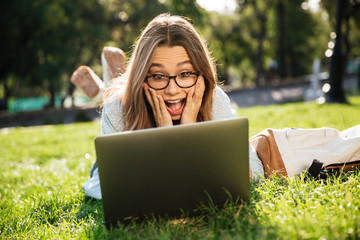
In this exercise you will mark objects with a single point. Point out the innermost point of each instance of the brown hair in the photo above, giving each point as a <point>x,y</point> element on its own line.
<point>164,30</point>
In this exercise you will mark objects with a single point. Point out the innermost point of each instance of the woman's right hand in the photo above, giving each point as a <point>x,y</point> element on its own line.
<point>157,103</point>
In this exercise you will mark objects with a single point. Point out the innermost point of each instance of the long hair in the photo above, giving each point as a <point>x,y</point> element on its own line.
<point>165,30</point>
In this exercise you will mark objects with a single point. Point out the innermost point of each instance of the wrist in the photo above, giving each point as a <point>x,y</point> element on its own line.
<point>186,120</point>
<point>164,123</point>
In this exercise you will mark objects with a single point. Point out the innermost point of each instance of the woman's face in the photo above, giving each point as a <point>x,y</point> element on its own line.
<point>172,61</point>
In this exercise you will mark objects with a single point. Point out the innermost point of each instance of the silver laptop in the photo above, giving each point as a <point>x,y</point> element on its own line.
<point>171,171</point>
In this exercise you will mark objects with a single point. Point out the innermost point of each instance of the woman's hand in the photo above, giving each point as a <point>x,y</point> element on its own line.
<point>193,102</point>
<point>157,103</point>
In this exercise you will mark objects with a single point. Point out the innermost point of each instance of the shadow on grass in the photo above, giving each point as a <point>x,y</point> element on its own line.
<point>257,219</point>
<point>91,208</point>
<point>232,220</point>
<point>55,211</point>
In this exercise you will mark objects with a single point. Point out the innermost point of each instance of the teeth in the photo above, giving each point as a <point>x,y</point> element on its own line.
<point>176,101</point>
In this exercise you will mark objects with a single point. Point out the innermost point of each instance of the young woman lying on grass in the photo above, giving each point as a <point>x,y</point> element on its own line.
<point>171,79</point>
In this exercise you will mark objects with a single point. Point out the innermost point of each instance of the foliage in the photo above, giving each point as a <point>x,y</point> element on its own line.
<point>128,18</point>
<point>292,47</point>
<point>225,36</point>
<point>46,40</point>
<point>43,42</point>
<point>350,24</point>
<point>43,169</point>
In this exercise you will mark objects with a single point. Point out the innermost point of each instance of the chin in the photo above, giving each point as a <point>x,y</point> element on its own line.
<point>177,117</point>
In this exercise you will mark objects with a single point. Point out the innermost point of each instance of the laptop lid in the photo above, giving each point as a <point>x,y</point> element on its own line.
<point>171,170</point>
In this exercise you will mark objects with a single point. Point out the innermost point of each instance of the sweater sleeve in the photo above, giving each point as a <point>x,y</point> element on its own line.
<point>221,106</point>
<point>112,118</point>
<point>112,121</point>
<point>222,109</point>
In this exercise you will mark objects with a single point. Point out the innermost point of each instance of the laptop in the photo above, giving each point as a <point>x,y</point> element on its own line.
<point>171,171</point>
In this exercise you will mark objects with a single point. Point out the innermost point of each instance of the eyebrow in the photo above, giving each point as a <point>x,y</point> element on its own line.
<point>178,65</point>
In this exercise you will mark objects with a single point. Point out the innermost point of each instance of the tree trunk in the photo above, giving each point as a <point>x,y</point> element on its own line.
<point>336,92</point>
<point>52,95</point>
<point>346,36</point>
<point>4,101</point>
<point>293,63</point>
<point>226,78</point>
<point>259,58</point>
<point>281,39</point>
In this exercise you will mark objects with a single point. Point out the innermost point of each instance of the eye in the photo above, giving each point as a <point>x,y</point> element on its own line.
<point>184,74</point>
<point>158,76</point>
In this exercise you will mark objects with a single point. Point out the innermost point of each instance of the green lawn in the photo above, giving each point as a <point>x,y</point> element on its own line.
<point>43,168</point>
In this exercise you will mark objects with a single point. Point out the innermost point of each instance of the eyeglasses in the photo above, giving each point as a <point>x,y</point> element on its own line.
<point>183,80</point>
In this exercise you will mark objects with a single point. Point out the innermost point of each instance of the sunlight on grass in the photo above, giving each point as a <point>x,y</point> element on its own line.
<point>43,169</point>
<point>302,115</point>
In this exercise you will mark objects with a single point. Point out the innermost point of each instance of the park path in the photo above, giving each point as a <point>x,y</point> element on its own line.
<point>278,94</point>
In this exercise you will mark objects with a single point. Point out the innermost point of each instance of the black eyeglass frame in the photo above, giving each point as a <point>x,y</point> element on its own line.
<point>171,77</point>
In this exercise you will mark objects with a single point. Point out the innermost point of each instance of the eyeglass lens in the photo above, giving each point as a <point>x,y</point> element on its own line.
<point>184,80</point>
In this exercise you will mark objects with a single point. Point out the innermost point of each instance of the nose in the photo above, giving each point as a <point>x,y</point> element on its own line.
<point>172,88</point>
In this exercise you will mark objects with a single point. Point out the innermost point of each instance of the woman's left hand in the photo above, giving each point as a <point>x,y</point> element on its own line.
<point>193,102</point>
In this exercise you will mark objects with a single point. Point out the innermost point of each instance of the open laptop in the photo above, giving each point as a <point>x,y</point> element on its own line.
<point>172,170</point>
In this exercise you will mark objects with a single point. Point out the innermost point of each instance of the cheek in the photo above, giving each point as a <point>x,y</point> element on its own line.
<point>160,92</point>
<point>187,90</point>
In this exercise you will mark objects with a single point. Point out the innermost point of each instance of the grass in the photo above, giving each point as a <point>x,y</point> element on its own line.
<point>43,168</point>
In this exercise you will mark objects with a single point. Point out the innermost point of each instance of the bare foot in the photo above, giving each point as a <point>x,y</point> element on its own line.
<point>88,81</point>
<point>113,62</point>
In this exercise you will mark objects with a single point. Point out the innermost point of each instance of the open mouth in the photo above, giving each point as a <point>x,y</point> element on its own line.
<point>175,107</point>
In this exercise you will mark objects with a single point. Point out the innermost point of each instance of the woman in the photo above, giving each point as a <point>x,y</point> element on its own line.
<point>171,79</point>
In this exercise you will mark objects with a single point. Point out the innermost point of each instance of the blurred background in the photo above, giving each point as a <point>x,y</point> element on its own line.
<point>256,43</point>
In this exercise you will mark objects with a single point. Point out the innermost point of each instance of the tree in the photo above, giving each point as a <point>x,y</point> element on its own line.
<point>350,24</point>
<point>282,31</point>
<point>345,11</point>
<point>127,18</point>
<point>258,13</point>
<point>46,40</point>
<point>300,49</point>
<point>280,8</point>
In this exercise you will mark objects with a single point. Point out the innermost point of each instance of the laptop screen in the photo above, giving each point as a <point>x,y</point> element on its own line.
<point>172,170</point>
